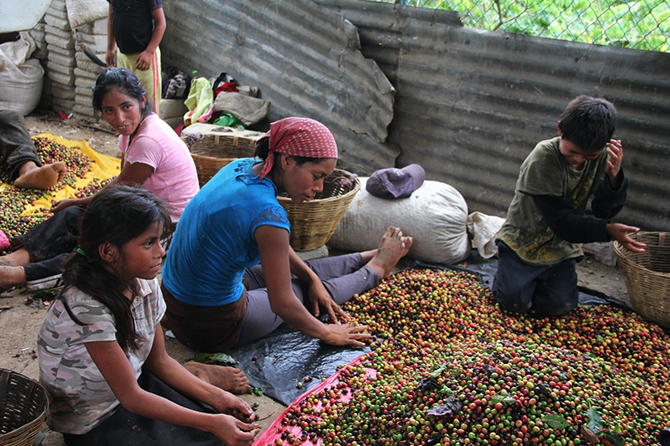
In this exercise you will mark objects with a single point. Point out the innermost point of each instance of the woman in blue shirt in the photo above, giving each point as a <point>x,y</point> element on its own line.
<point>217,293</point>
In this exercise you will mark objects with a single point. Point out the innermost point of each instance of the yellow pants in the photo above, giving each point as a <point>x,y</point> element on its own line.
<point>150,79</point>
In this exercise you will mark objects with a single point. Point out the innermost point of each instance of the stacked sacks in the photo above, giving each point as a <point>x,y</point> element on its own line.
<point>39,36</point>
<point>92,36</point>
<point>60,56</point>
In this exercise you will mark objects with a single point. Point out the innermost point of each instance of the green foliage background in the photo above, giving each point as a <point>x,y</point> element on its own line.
<point>643,24</point>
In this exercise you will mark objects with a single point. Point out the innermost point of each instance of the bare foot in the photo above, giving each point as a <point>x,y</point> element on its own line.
<point>42,177</point>
<point>392,247</point>
<point>11,276</point>
<point>16,258</point>
<point>227,378</point>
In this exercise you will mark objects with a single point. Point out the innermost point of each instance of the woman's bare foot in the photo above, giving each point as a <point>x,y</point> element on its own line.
<point>392,247</point>
<point>227,378</point>
<point>42,177</point>
<point>11,276</point>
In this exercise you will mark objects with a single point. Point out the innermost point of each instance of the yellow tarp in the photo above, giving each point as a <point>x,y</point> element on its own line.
<point>102,168</point>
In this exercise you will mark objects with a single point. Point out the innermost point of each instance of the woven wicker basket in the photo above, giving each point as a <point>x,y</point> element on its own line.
<point>647,276</point>
<point>23,408</point>
<point>313,222</point>
<point>208,166</point>
<point>214,146</point>
<point>219,141</point>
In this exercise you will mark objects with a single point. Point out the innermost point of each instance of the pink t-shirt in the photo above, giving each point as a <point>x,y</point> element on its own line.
<point>175,179</point>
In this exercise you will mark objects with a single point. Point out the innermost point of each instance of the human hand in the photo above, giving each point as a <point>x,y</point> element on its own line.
<point>347,334</point>
<point>235,406</point>
<point>110,58</point>
<point>144,60</point>
<point>319,297</point>
<point>621,233</point>
<point>60,205</point>
<point>232,431</point>
<point>59,167</point>
<point>614,159</point>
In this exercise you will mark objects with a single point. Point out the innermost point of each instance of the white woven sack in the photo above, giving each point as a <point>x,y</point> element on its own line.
<point>435,215</point>
<point>21,78</point>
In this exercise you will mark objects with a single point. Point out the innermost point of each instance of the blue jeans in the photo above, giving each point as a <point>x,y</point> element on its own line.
<point>549,290</point>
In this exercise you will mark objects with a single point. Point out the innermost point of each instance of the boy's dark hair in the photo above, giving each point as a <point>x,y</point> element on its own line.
<point>588,122</point>
<point>117,214</point>
<point>126,81</point>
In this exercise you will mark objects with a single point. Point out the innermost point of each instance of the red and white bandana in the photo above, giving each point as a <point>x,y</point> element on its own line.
<point>298,137</point>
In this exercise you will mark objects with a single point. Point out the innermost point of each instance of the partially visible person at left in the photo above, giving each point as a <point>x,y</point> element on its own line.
<point>136,27</point>
<point>101,349</point>
<point>19,163</point>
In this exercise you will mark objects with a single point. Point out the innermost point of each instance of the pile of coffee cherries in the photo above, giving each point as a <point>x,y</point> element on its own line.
<point>77,163</point>
<point>92,187</point>
<point>448,367</point>
<point>13,201</point>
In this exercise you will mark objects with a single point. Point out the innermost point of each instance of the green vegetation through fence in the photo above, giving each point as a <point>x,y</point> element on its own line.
<point>643,24</point>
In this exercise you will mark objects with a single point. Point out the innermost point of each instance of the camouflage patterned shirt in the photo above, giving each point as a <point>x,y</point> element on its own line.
<point>80,396</point>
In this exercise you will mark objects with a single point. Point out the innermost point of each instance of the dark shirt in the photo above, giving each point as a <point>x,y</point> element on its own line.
<point>132,23</point>
<point>572,227</point>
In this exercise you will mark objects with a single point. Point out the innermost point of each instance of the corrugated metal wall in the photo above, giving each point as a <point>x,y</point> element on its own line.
<point>305,59</point>
<point>471,104</point>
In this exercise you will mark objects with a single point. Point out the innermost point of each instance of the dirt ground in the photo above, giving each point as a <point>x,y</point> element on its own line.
<point>21,315</point>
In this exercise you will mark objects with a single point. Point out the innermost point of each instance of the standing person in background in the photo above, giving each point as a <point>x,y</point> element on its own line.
<point>137,28</point>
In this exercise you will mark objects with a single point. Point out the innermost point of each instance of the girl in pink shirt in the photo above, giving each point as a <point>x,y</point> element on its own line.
<point>153,157</point>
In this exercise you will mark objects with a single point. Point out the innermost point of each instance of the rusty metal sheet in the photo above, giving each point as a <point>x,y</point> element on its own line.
<point>471,104</point>
<point>306,60</point>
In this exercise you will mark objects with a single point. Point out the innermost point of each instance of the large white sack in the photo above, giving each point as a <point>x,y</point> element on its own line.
<point>435,215</point>
<point>21,78</point>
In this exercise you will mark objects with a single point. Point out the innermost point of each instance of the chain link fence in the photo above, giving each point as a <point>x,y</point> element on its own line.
<point>643,24</point>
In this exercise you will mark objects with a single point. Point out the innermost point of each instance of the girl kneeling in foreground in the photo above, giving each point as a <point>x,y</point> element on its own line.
<point>101,349</point>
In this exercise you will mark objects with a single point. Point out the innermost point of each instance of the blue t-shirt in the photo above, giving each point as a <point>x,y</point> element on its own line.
<point>214,241</point>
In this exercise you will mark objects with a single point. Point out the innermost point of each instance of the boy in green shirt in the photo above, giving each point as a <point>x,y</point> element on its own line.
<point>540,242</point>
